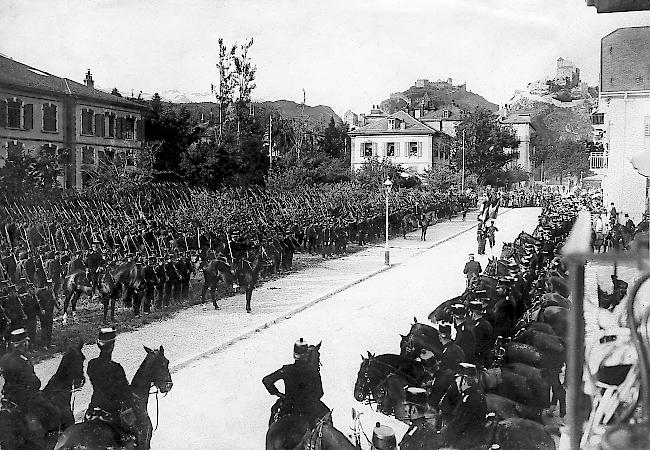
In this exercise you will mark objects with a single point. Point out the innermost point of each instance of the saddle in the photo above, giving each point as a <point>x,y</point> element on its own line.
<point>121,424</point>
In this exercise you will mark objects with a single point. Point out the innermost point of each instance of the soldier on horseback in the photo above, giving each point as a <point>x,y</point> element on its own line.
<point>303,388</point>
<point>111,401</point>
<point>22,387</point>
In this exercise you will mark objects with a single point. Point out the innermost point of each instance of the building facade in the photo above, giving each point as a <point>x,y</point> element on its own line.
<point>403,140</point>
<point>622,119</point>
<point>42,112</point>
<point>524,128</point>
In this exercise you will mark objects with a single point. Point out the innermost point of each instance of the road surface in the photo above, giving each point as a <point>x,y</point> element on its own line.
<point>219,402</point>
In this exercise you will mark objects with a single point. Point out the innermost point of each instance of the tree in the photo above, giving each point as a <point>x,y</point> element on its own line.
<point>174,132</point>
<point>227,81</point>
<point>563,157</point>
<point>26,173</point>
<point>488,144</point>
<point>333,141</point>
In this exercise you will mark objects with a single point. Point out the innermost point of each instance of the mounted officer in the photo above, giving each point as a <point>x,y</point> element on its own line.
<point>111,401</point>
<point>22,387</point>
<point>303,387</point>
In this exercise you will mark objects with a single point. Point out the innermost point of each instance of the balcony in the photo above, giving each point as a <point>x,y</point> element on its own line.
<point>598,160</point>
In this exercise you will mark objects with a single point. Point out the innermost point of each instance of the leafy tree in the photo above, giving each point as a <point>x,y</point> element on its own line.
<point>227,81</point>
<point>375,172</point>
<point>174,132</point>
<point>564,156</point>
<point>333,141</point>
<point>487,144</point>
<point>26,172</point>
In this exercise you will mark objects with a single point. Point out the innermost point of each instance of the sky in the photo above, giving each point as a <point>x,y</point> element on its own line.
<point>347,54</point>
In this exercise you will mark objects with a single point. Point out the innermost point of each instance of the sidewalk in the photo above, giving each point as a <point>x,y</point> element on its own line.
<point>193,333</point>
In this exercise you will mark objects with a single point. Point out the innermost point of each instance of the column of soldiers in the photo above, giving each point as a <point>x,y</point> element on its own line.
<point>43,245</point>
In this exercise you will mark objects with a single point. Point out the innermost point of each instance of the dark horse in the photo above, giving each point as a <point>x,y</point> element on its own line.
<point>295,431</point>
<point>19,430</point>
<point>243,272</point>
<point>154,371</point>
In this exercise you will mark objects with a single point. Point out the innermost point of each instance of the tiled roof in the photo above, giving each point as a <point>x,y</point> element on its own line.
<point>16,74</point>
<point>437,115</point>
<point>412,126</point>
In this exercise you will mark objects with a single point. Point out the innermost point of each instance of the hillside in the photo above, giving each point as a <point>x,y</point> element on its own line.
<point>552,122</point>
<point>316,116</point>
<point>440,94</point>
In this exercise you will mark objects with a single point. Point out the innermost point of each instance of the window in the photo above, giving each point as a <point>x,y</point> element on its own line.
<point>110,125</point>
<point>14,107</point>
<point>87,155</point>
<point>87,121</point>
<point>646,127</point>
<point>391,124</point>
<point>435,153</point>
<point>128,132</point>
<point>50,118</point>
<point>598,119</point>
<point>446,114</point>
<point>367,149</point>
<point>390,149</point>
<point>99,125</point>
<point>415,149</point>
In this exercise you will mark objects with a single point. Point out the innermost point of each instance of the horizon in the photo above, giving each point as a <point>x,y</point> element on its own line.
<point>345,55</point>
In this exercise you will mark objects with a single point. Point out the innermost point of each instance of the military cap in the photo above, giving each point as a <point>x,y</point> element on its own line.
<point>300,348</point>
<point>458,309</point>
<point>383,437</point>
<point>475,306</point>
<point>106,336</point>
<point>18,335</point>
<point>467,369</point>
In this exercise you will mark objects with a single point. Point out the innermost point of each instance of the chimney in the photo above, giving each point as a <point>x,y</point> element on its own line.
<point>89,80</point>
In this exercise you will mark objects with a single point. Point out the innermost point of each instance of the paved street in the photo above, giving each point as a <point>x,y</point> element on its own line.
<point>219,402</point>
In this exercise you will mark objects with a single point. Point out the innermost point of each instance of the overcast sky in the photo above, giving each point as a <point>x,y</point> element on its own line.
<point>348,54</point>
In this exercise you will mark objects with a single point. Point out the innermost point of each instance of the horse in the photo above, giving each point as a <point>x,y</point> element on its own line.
<point>75,284</point>
<point>409,222</point>
<point>154,371</point>
<point>300,435</point>
<point>425,220</point>
<point>40,430</point>
<point>374,370</point>
<point>509,434</point>
<point>243,272</point>
<point>420,336</point>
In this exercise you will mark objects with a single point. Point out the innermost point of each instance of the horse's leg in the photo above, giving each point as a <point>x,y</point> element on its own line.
<point>105,302</point>
<point>249,294</point>
<point>213,293</point>
<point>204,289</point>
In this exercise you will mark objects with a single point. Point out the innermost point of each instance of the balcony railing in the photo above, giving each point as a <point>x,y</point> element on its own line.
<point>598,160</point>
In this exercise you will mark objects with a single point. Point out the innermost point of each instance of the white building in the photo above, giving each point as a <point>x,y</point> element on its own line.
<point>401,139</point>
<point>524,129</point>
<point>622,120</point>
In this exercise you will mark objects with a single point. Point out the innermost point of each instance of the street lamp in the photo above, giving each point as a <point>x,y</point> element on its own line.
<point>388,185</point>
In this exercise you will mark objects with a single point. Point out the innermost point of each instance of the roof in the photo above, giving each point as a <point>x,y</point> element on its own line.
<point>437,115</point>
<point>412,126</point>
<point>22,76</point>
<point>519,118</point>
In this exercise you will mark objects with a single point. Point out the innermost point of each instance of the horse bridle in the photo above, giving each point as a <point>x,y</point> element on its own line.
<point>368,394</point>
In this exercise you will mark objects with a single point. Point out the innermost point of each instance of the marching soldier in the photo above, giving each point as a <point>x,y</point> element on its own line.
<point>472,268</point>
<point>46,301</point>
<point>32,311</point>
<point>490,231</point>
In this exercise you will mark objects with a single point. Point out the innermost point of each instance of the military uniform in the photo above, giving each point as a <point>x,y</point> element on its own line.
<point>32,311</point>
<point>46,301</point>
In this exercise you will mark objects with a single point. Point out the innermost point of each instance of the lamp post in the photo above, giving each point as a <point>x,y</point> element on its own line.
<point>388,185</point>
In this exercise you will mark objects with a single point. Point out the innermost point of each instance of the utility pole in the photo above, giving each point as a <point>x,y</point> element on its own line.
<point>270,141</point>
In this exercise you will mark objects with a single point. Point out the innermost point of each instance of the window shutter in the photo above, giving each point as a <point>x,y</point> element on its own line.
<point>361,148</point>
<point>397,146</point>
<point>646,127</point>
<point>99,125</point>
<point>29,116</point>
<point>3,113</point>
<point>384,149</point>
<point>119,122</point>
<point>375,152</point>
<point>419,149</point>
<point>139,129</point>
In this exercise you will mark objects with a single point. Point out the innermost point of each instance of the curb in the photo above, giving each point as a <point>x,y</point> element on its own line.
<point>187,361</point>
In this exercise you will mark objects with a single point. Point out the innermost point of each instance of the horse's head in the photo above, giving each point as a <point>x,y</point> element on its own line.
<point>156,366</point>
<point>363,385</point>
<point>72,364</point>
